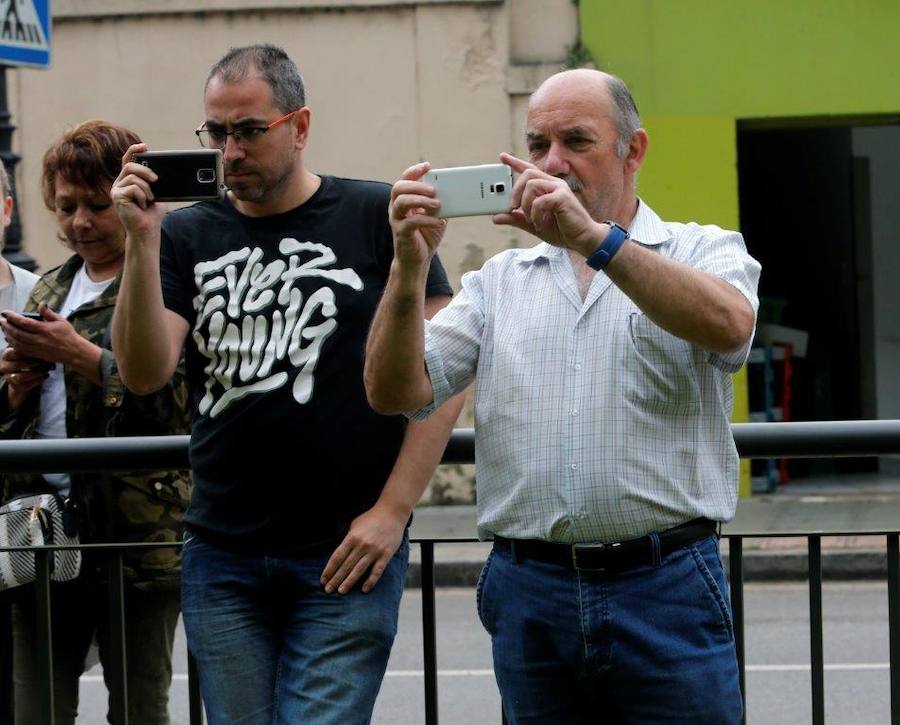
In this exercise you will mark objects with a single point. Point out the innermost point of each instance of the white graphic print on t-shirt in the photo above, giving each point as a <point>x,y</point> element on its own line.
<point>242,346</point>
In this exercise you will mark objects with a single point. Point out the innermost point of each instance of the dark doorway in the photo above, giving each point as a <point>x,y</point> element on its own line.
<point>803,211</point>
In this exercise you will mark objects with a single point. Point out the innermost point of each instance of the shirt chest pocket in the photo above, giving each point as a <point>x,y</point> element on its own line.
<point>659,370</point>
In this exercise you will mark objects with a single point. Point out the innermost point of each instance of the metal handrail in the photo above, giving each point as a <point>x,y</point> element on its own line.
<point>144,453</point>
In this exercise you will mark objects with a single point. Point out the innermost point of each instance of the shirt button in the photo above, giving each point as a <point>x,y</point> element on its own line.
<point>574,466</point>
<point>575,411</point>
<point>577,366</point>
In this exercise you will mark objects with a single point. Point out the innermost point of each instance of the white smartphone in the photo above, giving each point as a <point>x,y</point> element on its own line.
<point>191,175</point>
<point>472,190</point>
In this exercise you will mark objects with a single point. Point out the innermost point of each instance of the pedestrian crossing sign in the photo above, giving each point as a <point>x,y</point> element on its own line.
<point>25,32</point>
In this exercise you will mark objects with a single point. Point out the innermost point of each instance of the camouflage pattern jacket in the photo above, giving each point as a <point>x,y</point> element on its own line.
<point>111,506</point>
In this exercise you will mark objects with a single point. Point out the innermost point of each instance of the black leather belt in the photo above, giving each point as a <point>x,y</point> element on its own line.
<point>617,556</point>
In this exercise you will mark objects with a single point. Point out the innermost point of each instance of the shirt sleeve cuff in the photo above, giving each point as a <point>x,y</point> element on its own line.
<point>733,361</point>
<point>440,386</point>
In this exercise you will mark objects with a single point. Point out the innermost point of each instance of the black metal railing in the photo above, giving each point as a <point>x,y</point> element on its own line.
<point>753,440</point>
<point>816,639</point>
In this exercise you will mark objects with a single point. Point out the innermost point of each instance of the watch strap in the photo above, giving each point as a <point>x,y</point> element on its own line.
<point>607,250</point>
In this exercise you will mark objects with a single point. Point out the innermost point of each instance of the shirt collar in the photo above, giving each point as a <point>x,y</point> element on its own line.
<point>647,229</point>
<point>538,251</point>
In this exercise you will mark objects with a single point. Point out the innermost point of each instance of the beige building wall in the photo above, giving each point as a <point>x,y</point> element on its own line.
<point>389,82</point>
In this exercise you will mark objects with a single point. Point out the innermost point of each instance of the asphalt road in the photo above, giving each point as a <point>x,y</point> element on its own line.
<point>778,677</point>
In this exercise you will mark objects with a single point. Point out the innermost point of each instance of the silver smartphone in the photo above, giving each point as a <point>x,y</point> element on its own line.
<point>472,190</point>
<point>190,175</point>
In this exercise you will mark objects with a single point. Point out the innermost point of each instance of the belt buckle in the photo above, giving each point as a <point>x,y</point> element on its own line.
<point>591,548</point>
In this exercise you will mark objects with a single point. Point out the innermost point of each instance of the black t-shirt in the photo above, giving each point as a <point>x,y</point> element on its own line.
<point>285,450</point>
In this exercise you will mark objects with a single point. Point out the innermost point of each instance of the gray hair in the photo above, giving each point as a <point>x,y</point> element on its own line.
<point>625,113</point>
<point>270,62</point>
<point>4,182</point>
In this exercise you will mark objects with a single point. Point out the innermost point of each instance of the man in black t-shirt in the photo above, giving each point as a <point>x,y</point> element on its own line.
<point>295,549</point>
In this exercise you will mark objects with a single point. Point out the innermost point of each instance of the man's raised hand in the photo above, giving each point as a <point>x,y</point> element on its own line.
<point>545,206</point>
<point>133,196</point>
<point>417,233</point>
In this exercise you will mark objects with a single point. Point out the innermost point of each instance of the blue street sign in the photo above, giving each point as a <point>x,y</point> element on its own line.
<point>25,32</point>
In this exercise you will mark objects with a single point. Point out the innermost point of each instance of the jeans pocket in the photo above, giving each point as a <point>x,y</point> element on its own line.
<point>400,560</point>
<point>715,591</point>
<point>479,591</point>
<point>402,552</point>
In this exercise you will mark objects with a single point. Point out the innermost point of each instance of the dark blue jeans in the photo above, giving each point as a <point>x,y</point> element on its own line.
<point>273,647</point>
<point>651,645</point>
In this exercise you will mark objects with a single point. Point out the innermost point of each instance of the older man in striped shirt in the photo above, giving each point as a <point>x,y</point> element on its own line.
<point>601,359</point>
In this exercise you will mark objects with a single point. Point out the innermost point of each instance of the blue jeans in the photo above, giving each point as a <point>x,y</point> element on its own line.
<point>650,645</point>
<point>272,647</point>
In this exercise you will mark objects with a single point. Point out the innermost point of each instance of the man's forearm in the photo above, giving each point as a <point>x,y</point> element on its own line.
<point>421,452</point>
<point>395,376</point>
<point>140,334</point>
<point>375,534</point>
<point>686,302</point>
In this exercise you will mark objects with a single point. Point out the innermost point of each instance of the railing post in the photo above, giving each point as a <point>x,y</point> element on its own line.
<point>119,674</point>
<point>195,701</point>
<point>736,584</point>
<point>429,639</point>
<point>893,560</point>
<point>6,663</point>
<point>816,656</point>
<point>44,634</point>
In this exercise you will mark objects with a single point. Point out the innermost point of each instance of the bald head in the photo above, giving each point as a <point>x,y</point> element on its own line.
<point>600,93</point>
<point>583,81</point>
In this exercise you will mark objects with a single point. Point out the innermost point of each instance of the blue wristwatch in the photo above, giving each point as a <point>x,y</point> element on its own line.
<point>606,251</point>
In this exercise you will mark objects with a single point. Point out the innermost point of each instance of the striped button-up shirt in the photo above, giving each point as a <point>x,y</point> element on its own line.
<point>591,422</point>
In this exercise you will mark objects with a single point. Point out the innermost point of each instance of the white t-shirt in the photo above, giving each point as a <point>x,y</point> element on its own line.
<point>14,295</point>
<point>52,418</point>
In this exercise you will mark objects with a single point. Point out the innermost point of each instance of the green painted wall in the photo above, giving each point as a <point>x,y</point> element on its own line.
<point>690,172</point>
<point>753,58</point>
<point>695,67</point>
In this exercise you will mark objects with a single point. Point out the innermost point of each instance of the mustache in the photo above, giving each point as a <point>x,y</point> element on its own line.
<point>573,182</point>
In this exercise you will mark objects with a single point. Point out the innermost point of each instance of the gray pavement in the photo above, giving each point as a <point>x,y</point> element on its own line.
<point>856,508</point>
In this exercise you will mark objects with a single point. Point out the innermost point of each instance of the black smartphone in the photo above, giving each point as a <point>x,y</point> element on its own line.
<point>30,315</point>
<point>191,175</point>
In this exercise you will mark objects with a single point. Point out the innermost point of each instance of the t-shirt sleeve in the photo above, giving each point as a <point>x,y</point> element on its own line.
<point>175,277</point>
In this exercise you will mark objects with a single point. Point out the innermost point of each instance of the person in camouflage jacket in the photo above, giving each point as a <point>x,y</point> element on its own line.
<point>146,506</point>
<point>65,358</point>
